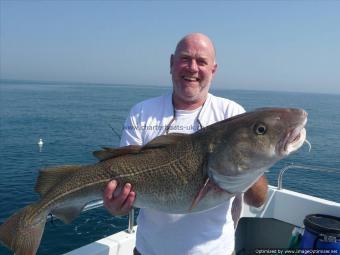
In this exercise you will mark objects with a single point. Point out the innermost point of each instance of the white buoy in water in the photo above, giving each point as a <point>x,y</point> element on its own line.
<point>40,144</point>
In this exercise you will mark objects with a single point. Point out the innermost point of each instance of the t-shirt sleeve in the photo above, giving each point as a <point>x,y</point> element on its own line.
<point>131,134</point>
<point>234,109</point>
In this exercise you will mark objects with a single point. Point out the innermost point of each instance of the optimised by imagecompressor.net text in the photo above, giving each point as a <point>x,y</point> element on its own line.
<point>294,251</point>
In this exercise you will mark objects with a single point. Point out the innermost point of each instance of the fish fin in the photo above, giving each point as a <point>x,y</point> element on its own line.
<point>236,209</point>
<point>164,140</point>
<point>160,141</point>
<point>201,193</point>
<point>208,186</point>
<point>49,177</point>
<point>21,235</point>
<point>68,213</point>
<point>108,153</point>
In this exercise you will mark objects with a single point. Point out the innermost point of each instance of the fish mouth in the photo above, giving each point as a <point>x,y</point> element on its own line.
<point>292,141</point>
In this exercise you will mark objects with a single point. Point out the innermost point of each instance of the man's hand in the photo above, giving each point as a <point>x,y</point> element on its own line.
<point>118,202</point>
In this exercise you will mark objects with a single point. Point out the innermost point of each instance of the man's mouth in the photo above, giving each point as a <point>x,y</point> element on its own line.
<point>190,78</point>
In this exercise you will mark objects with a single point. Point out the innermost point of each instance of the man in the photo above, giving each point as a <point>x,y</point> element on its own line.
<point>189,108</point>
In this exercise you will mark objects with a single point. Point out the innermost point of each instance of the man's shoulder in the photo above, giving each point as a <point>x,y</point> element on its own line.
<point>225,104</point>
<point>152,103</point>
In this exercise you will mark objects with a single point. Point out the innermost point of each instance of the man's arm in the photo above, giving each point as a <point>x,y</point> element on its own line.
<point>256,195</point>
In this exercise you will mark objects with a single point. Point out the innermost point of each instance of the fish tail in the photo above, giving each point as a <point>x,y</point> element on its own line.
<point>22,232</point>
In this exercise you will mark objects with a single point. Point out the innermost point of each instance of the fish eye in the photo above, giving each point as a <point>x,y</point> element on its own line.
<point>260,129</point>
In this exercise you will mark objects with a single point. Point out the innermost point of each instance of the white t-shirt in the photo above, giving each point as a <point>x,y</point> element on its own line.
<point>209,232</point>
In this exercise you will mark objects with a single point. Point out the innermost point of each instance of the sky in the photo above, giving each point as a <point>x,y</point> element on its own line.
<point>261,45</point>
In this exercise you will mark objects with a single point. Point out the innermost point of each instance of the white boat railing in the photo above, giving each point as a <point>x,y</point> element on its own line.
<point>304,167</point>
<point>96,204</point>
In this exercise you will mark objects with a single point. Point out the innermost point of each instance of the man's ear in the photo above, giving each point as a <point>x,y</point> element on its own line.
<point>171,61</point>
<point>214,68</point>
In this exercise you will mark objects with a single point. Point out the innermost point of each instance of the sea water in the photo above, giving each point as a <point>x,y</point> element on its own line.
<point>75,119</point>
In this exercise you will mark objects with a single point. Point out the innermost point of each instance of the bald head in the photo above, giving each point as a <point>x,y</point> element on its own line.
<point>192,67</point>
<point>197,38</point>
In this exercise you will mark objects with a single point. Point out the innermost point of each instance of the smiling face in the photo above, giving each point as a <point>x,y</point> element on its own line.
<point>192,67</point>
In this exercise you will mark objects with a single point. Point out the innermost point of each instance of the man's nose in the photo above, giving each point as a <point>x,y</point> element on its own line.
<point>192,65</point>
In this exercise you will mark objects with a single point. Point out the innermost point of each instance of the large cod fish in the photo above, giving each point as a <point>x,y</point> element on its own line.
<point>176,173</point>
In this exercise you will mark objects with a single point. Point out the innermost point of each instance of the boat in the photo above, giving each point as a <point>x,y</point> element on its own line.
<point>265,230</point>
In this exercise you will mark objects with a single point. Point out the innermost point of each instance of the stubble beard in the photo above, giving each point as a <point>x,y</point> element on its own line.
<point>189,95</point>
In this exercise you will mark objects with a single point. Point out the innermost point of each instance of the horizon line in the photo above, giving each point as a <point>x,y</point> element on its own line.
<point>63,82</point>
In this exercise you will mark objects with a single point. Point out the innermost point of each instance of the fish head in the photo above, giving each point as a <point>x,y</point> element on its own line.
<point>245,146</point>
